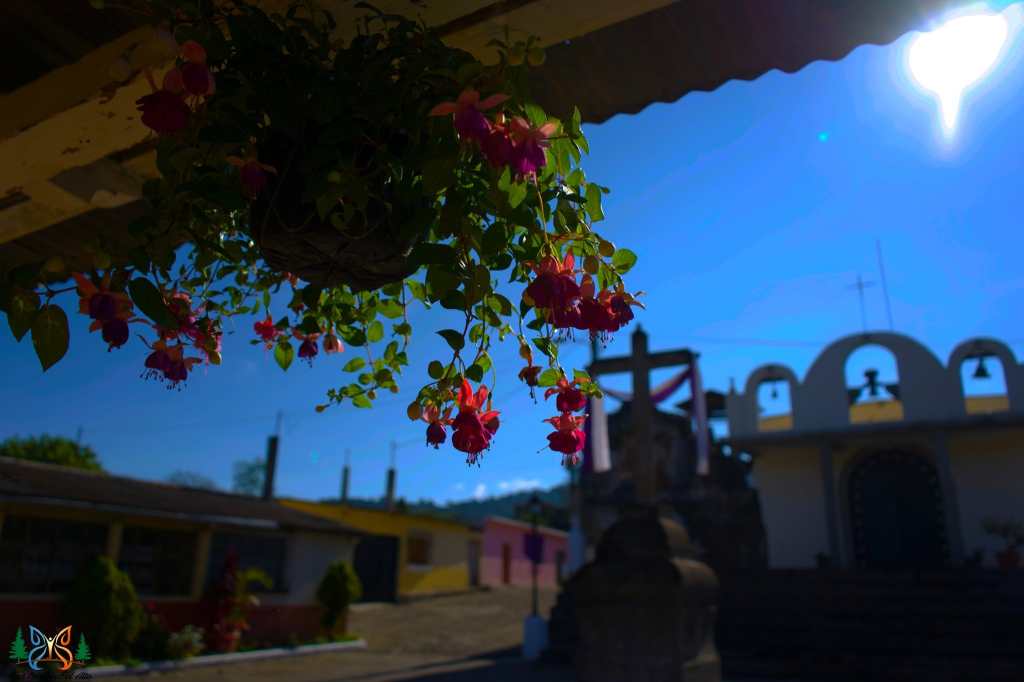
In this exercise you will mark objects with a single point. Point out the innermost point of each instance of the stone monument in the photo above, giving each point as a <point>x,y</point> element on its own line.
<point>644,610</point>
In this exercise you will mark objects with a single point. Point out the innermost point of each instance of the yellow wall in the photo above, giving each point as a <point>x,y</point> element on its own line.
<point>889,411</point>
<point>449,566</point>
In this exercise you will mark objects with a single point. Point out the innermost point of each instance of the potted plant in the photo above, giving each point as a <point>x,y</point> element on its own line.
<point>231,601</point>
<point>323,185</point>
<point>339,588</point>
<point>1012,533</point>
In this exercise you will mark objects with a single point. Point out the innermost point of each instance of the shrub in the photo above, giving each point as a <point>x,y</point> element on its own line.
<point>151,642</point>
<point>339,587</point>
<point>103,603</point>
<point>185,643</point>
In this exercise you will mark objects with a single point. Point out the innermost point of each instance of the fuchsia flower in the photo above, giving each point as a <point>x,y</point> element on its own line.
<point>436,424</point>
<point>570,398</point>
<point>197,79</point>
<point>180,306</point>
<point>252,173</point>
<point>193,52</point>
<point>110,310</point>
<point>470,123</point>
<point>266,330</point>
<point>167,363</point>
<point>528,375</point>
<point>473,429</point>
<point>528,152</point>
<point>332,344</point>
<point>164,112</point>
<point>568,438</point>
<point>555,286</point>
<point>496,145</point>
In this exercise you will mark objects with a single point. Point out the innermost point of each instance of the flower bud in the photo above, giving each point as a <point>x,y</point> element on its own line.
<point>414,411</point>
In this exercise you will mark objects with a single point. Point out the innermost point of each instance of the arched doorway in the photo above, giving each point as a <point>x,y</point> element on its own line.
<point>897,512</point>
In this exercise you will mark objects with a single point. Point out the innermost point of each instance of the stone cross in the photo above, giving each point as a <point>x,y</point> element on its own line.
<point>641,446</point>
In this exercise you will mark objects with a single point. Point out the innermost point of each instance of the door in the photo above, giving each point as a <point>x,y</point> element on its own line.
<point>897,513</point>
<point>376,564</point>
<point>506,564</point>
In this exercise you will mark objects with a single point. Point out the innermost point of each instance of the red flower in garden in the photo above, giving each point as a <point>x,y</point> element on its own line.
<point>436,423</point>
<point>110,310</point>
<point>554,286</point>
<point>266,330</point>
<point>472,428</point>
<point>252,174</point>
<point>180,306</point>
<point>206,337</point>
<point>528,151</point>
<point>197,79</point>
<point>115,333</point>
<point>570,398</point>
<point>308,349</point>
<point>467,110</point>
<point>164,112</point>
<point>332,344</point>
<point>174,81</point>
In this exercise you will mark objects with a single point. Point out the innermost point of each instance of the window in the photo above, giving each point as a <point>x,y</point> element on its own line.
<point>418,546</point>
<point>265,552</point>
<point>43,555</point>
<point>159,562</point>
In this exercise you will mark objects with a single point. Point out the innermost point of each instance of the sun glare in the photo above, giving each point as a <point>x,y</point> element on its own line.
<point>958,54</point>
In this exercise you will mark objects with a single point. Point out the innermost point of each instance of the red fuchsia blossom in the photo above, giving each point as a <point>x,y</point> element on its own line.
<point>252,174</point>
<point>528,151</point>
<point>110,311</point>
<point>164,112</point>
<point>193,52</point>
<point>568,438</point>
<point>436,424</point>
<point>497,145</point>
<point>167,363</point>
<point>174,82</point>
<point>332,344</point>
<point>115,333</point>
<point>467,110</point>
<point>266,330</point>
<point>197,79</point>
<point>529,374</point>
<point>206,337</point>
<point>554,286</point>
<point>180,306</point>
<point>473,429</point>
<point>570,397</point>
<point>308,349</point>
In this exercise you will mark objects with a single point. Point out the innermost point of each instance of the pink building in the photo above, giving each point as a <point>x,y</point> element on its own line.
<point>504,560</point>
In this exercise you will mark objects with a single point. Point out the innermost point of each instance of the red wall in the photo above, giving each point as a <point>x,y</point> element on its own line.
<point>270,624</point>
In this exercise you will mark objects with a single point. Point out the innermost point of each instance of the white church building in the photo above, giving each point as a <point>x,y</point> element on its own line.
<point>902,481</point>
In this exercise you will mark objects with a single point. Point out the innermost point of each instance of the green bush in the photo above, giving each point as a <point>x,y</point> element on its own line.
<point>339,587</point>
<point>151,644</point>
<point>102,602</point>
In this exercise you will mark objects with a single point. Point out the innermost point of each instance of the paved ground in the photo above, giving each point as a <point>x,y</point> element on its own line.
<point>457,638</point>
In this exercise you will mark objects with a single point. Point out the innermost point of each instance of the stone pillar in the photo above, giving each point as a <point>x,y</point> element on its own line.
<point>950,504</point>
<point>644,612</point>
<point>203,541</point>
<point>831,509</point>
<point>114,533</point>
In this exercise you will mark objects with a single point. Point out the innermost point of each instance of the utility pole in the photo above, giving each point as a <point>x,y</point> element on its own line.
<point>271,464</point>
<point>345,473</point>
<point>389,494</point>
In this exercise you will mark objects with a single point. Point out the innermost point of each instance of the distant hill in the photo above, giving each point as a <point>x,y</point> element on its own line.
<point>474,511</point>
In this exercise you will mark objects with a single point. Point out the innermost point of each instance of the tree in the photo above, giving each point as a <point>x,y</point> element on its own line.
<point>18,651</point>
<point>339,587</point>
<point>102,601</point>
<point>248,476</point>
<point>191,479</point>
<point>82,653</point>
<point>51,450</point>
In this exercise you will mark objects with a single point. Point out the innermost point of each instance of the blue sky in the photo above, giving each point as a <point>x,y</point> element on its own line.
<point>753,209</point>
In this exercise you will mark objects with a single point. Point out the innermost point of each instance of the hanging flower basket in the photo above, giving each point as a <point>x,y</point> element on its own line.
<point>325,185</point>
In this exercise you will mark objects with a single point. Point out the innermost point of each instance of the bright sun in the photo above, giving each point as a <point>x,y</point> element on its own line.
<point>959,53</point>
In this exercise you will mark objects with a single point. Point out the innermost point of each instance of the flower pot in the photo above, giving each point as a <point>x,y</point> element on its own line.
<point>370,251</point>
<point>1008,559</point>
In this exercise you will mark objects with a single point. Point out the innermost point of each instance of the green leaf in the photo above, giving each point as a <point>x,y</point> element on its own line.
<point>495,239</point>
<point>580,375</point>
<point>547,346</point>
<point>150,301</point>
<point>390,308</point>
<point>417,289</point>
<point>454,300</point>
<point>549,377</point>
<point>505,180</point>
<point>484,361</point>
<point>517,193</point>
<point>23,308</point>
<point>623,260</point>
<point>311,296</point>
<point>309,325</point>
<point>375,332</point>
<point>50,335</point>
<point>354,365</point>
<point>284,354</point>
<point>453,338</point>
<point>425,253</point>
<point>441,281</point>
<point>594,202</point>
<point>475,372</point>
<point>362,401</point>
<point>435,369</point>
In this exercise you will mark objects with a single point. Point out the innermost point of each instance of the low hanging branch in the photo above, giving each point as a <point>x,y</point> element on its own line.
<point>348,182</point>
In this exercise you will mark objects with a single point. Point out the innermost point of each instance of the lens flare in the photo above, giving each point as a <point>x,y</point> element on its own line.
<point>953,57</point>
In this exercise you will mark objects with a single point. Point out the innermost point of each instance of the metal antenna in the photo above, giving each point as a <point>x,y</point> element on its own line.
<point>885,287</point>
<point>394,453</point>
<point>860,286</point>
